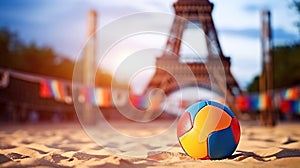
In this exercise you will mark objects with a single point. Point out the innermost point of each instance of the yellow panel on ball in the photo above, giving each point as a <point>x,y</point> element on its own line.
<point>196,149</point>
<point>210,122</point>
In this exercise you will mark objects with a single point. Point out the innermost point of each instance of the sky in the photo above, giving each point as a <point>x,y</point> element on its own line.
<point>62,25</point>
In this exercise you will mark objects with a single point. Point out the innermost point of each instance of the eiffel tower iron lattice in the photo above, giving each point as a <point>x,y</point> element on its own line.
<point>176,69</point>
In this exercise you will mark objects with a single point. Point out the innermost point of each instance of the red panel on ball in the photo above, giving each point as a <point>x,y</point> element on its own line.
<point>235,127</point>
<point>184,124</point>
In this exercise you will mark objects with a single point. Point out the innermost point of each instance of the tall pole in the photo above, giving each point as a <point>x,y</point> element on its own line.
<point>266,80</point>
<point>89,65</point>
<point>90,50</point>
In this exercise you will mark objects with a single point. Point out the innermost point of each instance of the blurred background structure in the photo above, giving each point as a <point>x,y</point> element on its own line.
<point>206,67</point>
<point>266,79</point>
<point>38,46</point>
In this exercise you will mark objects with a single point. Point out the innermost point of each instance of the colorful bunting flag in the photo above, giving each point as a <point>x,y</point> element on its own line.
<point>264,101</point>
<point>285,106</point>
<point>290,94</point>
<point>139,101</point>
<point>243,102</point>
<point>58,90</point>
<point>45,89</point>
<point>102,97</point>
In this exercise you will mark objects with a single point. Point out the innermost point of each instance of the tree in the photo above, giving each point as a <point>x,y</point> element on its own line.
<point>14,54</point>
<point>9,45</point>
<point>286,63</point>
<point>254,85</point>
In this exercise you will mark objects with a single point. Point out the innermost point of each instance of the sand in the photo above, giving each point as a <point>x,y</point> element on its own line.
<point>68,145</point>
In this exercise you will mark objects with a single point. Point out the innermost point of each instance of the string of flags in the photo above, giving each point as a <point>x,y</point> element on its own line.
<point>62,92</point>
<point>99,96</point>
<point>285,101</point>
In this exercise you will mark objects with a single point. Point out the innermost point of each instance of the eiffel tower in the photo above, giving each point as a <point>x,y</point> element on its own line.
<point>175,70</point>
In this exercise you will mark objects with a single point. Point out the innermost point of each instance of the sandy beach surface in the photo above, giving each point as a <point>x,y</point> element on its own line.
<point>68,145</point>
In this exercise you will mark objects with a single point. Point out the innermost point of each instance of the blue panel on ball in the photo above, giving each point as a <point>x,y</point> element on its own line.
<point>193,109</point>
<point>221,144</point>
<point>221,106</point>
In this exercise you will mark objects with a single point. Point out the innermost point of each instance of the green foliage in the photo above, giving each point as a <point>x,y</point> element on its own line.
<point>254,85</point>
<point>30,58</point>
<point>38,60</point>
<point>286,63</point>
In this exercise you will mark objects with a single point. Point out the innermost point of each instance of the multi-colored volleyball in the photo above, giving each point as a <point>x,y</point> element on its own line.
<point>208,130</point>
